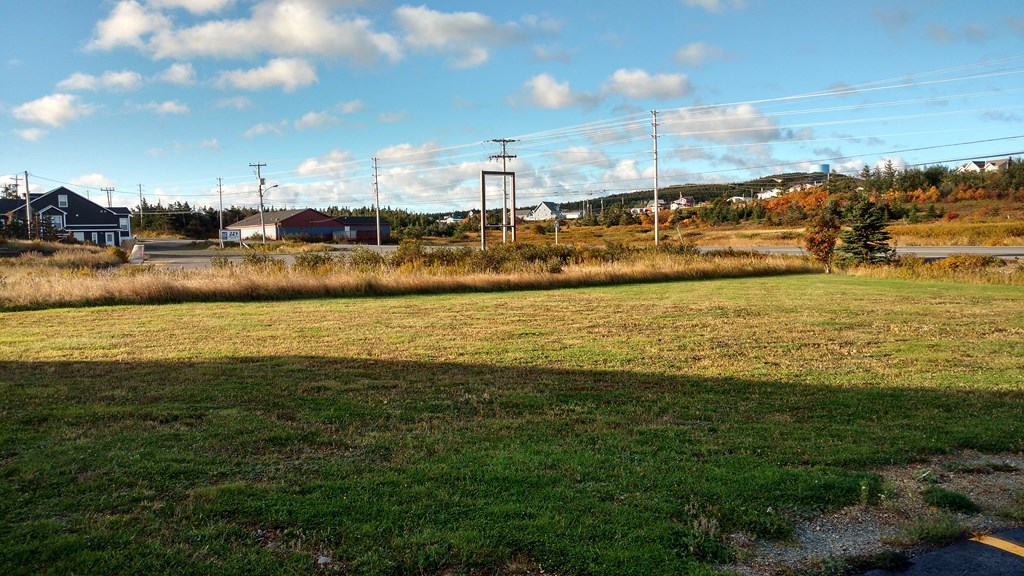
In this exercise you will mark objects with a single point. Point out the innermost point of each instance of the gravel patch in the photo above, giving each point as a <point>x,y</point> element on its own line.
<point>994,482</point>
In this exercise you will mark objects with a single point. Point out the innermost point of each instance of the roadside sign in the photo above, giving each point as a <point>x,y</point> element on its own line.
<point>231,235</point>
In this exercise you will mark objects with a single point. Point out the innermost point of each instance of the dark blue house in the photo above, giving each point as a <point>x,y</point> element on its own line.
<point>74,215</point>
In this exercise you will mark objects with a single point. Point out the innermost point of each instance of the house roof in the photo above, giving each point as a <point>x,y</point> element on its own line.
<point>41,201</point>
<point>551,206</point>
<point>270,217</point>
<point>361,221</point>
<point>10,205</point>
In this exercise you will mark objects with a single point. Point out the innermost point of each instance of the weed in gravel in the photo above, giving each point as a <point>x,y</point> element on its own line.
<point>949,500</point>
<point>938,529</point>
<point>984,467</point>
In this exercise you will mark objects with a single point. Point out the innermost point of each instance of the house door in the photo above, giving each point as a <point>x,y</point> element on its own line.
<point>95,238</point>
<point>109,239</point>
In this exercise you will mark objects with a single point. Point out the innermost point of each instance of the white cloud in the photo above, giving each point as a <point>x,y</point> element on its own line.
<point>314,120</point>
<point>425,153</point>
<point>181,73</point>
<point>351,107</point>
<point>193,6</point>
<point>93,181</point>
<point>167,107</point>
<point>624,171</point>
<point>285,27</point>
<point>551,54</point>
<point>544,91</point>
<point>331,164</point>
<point>31,134</point>
<point>638,84</point>
<point>266,128</point>
<point>467,37</point>
<point>128,22</point>
<point>288,73</point>
<point>696,53</point>
<point>739,124</point>
<point>716,6</point>
<point>54,110</point>
<point>897,163</point>
<point>115,81</point>
<point>210,144</point>
<point>583,156</point>
<point>392,117</point>
<point>236,102</point>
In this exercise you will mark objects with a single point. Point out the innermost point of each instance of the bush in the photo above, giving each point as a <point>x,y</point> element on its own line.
<point>118,253</point>
<point>220,262</point>
<point>314,261</point>
<point>263,261</point>
<point>366,260</point>
<point>948,500</point>
<point>967,263</point>
<point>939,530</point>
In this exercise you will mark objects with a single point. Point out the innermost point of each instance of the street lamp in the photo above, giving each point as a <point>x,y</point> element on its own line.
<point>263,225</point>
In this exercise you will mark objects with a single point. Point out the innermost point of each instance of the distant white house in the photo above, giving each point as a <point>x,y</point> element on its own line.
<point>769,194</point>
<point>544,211</point>
<point>449,220</point>
<point>986,166</point>
<point>739,200</point>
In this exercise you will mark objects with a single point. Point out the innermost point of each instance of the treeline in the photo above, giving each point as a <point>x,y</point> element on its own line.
<point>912,194</point>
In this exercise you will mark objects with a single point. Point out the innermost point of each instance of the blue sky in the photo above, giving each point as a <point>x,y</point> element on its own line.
<point>173,94</point>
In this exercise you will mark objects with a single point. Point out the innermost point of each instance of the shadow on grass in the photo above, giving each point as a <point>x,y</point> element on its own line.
<point>266,464</point>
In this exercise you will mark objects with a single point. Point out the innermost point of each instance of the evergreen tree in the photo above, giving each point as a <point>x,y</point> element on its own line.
<point>867,241</point>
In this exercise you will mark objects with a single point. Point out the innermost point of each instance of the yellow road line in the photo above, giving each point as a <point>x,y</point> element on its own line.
<point>1001,544</point>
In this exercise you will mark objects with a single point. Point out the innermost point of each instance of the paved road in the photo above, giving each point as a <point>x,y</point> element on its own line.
<point>179,254</point>
<point>1000,554</point>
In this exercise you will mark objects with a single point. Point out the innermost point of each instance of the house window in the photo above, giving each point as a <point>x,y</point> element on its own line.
<point>110,239</point>
<point>62,201</point>
<point>80,236</point>
<point>124,223</point>
<point>57,220</point>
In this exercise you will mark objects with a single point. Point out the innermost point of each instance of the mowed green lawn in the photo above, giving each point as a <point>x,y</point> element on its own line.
<point>615,430</point>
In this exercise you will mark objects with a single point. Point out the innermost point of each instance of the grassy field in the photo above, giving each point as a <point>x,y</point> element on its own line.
<point>611,430</point>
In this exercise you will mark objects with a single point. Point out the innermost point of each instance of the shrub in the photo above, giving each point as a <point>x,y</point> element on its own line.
<point>948,500</point>
<point>313,261</point>
<point>118,253</point>
<point>262,261</point>
<point>221,262</point>
<point>967,262</point>
<point>366,260</point>
<point>821,238</point>
<point>938,530</point>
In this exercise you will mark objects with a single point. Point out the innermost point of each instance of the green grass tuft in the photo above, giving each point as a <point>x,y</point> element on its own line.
<point>948,500</point>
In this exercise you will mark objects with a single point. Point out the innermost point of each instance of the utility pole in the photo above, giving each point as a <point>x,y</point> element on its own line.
<point>141,202</point>
<point>655,124</point>
<point>376,197</point>
<point>28,210</point>
<point>259,184</point>
<point>220,195</point>
<point>110,201</point>
<point>504,185</point>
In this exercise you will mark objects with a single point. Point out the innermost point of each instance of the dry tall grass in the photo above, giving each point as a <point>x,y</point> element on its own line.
<point>274,282</point>
<point>1004,233</point>
<point>967,268</point>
